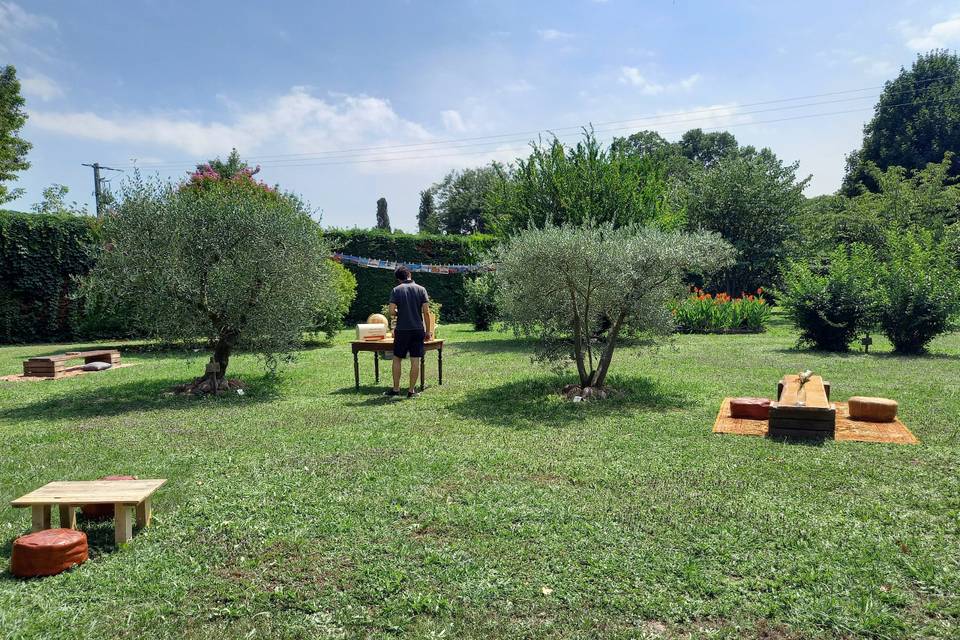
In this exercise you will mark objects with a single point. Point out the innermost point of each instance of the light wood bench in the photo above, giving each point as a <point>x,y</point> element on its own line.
<point>68,495</point>
<point>54,366</point>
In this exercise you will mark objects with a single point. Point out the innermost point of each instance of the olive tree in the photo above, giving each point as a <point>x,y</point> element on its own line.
<point>578,289</point>
<point>230,261</point>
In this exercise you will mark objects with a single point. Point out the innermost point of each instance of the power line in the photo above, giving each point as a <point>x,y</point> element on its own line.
<point>348,161</point>
<point>461,142</point>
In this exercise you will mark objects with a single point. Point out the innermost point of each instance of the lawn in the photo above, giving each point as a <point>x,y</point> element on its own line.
<point>489,507</point>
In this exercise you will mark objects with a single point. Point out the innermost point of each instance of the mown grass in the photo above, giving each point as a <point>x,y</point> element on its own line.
<point>489,507</point>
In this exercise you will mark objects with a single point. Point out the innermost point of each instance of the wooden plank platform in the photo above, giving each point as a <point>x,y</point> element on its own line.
<point>816,417</point>
<point>54,366</point>
<point>846,429</point>
<point>68,495</point>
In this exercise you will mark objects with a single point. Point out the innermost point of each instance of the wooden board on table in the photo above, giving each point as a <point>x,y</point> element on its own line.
<point>90,492</point>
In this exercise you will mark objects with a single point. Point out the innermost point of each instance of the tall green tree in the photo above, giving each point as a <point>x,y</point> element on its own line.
<point>427,221</point>
<point>13,148</point>
<point>915,122</point>
<point>55,201</point>
<point>383,218</point>
<point>750,199</point>
<point>585,182</point>
<point>706,149</point>
<point>462,201</point>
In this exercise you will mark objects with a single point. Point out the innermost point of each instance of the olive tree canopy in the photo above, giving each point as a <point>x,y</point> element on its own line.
<point>231,261</point>
<point>579,288</point>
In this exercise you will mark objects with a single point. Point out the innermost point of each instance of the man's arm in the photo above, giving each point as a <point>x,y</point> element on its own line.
<point>393,313</point>
<point>425,311</point>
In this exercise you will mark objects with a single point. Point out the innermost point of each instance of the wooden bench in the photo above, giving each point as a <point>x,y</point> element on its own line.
<point>54,366</point>
<point>816,418</point>
<point>122,494</point>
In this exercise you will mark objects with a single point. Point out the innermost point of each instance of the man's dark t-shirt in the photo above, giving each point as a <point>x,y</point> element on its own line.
<point>409,298</point>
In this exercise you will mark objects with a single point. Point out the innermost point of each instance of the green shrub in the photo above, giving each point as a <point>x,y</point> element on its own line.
<point>918,290</point>
<point>704,313</point>
<point>481,301</point>
<point>332,313</point>
<point>830,305</point>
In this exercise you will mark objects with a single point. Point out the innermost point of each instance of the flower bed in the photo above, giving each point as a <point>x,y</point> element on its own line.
<point>706,313</point>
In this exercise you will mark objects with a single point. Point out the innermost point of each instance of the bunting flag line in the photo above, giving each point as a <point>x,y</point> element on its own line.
<point>443,269</point>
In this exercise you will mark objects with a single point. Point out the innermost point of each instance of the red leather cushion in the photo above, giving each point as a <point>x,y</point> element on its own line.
<point>750,408</point>
<point>48,552</point>
<point>102,511</point>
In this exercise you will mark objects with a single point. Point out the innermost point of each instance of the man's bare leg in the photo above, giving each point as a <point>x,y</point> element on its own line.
<point>414,373</point>
<point>397,362</point>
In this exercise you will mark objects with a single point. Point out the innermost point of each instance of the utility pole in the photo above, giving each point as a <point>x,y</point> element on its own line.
<point>97,181</point>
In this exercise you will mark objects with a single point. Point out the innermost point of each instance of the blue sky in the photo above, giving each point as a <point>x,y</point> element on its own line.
<point>347,102</point>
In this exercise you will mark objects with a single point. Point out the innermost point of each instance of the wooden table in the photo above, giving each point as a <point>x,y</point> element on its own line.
<point>817,417</point>
<point>68,495</point>
<point>386,346</point>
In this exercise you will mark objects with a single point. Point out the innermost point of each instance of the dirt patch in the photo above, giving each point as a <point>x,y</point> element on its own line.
<point>206,386</point>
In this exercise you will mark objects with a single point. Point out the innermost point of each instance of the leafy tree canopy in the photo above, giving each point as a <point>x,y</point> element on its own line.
<point>231,262</point>
<point>462,201</point>
<point>915,122</point>
<point>383,219</point>
<point>55,201</point>
<point>13,148</point>
<point>427,221</point>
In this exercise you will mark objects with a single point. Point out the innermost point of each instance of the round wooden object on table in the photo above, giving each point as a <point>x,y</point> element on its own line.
<point>47,552</point>
<point>750,408</point>
<point>102,511</point>
<point>872,409</point>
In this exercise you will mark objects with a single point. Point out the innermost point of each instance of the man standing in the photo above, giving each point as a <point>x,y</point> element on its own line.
<point>409,304</point>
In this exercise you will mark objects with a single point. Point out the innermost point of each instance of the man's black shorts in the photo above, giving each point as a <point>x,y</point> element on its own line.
<point>408,341</point>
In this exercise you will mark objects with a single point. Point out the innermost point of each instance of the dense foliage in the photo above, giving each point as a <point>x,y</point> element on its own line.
<point>54,201</point>
<point>559,185</point>
<point>374,285</point>
<point>224,259</point>
<point>40,257</point>
<point>916,121</point>
<point>383,218</point>
<point>702,312</point>
<point>918,288</point>
<point>427,221</point>
<point>578,288</point>
<point>481,301</point>
<point>340,297</point>
<point>462,202</point>
<point>13,148</point>
<point>831,304</point>
<point>749,199</point>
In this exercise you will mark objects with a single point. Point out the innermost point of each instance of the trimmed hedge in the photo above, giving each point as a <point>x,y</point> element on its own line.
<point>40,256</point>
<point>374,285</point>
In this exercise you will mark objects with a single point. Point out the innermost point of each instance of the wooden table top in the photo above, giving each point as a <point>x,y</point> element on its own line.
<point>816,393</point>
<point>90,492</point>
<point>387,344</point>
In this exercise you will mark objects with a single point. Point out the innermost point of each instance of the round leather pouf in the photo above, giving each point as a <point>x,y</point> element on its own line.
<point>102,511</point>
<point>47,552</point>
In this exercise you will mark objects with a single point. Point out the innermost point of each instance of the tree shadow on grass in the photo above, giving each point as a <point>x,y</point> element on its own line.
<point>497,345</point>
<point>139,396</point>
<point>536,402</point>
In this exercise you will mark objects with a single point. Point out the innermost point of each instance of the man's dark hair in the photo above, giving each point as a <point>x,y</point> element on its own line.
<point>402,273</point>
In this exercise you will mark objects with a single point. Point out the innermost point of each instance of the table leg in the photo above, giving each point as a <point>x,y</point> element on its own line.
<point>423,371</point>
<point>356,371</point>
<point>440,365</point>
<point>144,513</point>
<point>376,366</point>
<point>123,526</point>
<point>68,517</point>
<point>41,517</point>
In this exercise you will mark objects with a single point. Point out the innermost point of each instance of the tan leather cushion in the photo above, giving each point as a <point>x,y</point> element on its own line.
<point>872,409</point>
<point>750,408</point>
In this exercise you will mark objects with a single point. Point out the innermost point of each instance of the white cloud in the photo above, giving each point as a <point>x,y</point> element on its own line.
<point>634,77</point>
<point>549,35</point>
<point>13,18</point>
<point>37,85</point>
<point>297,121</point>
<point>453,121</point>
<point>942,34</point>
